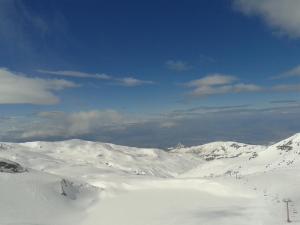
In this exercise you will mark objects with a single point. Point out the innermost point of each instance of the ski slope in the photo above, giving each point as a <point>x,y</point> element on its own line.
<point>93,183</point>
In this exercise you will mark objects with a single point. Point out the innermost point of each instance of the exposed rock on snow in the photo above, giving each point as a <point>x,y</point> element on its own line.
<point>68,189</point>
<point>73,190</point>
<point>7,166</point>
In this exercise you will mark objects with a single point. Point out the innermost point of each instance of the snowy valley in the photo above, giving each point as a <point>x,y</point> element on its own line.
<point>93,183</point>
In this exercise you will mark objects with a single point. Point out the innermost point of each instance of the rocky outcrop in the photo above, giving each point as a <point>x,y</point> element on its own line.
<point>7,166</point>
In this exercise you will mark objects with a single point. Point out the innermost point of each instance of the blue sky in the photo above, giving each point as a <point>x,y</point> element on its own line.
<point>149,73</point>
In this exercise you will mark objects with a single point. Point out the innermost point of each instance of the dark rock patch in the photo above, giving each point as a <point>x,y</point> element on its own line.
<point>236,146</point>
<point>7,166</point>
<point>286,147</point>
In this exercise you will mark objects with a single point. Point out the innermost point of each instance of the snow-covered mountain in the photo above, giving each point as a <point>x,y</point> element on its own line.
<point>82,182</point>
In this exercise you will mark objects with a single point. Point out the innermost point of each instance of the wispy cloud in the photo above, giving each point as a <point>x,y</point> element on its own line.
<point>283,16</point>
<point>294,72</point>
<point>18,88</point>
<point>15,17</point>
<point>214,84</point>
<point>124,81</point>
<point>206,59</point>
<point>203,110</point>
<point>283,101</point>
<point>21,27</point>
<point>286,88</point>
<point>78,74</point>
<point>212,108</point>
<point>178,65</point>
<point>131,82</point>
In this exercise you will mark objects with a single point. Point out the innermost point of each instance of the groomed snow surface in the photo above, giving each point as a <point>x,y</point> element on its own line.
<point>89,183</point>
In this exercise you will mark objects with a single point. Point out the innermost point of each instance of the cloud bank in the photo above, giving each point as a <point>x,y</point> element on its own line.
<point>191,127</point>
<point>76,124</point>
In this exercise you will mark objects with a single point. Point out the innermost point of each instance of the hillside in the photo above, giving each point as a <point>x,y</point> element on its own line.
<point>82,182</point>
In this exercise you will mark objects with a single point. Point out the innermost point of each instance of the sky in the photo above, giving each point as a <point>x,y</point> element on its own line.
<point>149,73</point>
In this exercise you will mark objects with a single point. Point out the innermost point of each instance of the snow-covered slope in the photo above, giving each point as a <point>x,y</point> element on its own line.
<point>284,154</point>
<point>82,182</point>
<point>221,150</point>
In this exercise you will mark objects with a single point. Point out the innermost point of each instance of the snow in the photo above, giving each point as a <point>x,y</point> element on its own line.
<point>88,183</point>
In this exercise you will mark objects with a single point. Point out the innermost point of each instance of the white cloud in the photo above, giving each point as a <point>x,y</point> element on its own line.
<point>70,73</point>
<point>178,65</point>
<point>214,84</point>
<point>212,80</point>
<point>282,15</point>
<point>217,84</point>
<point>20,89</point>
<point>132,82</point>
